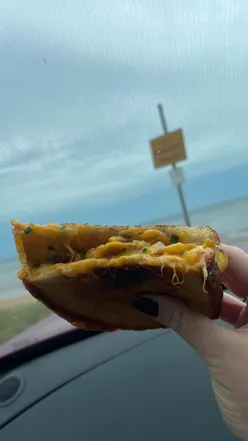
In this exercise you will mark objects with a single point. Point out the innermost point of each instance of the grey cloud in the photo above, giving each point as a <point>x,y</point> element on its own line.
<point>78,103</point>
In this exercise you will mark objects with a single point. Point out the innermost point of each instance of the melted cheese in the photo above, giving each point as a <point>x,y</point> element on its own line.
<point>194,258</point>
<point>87,248</point>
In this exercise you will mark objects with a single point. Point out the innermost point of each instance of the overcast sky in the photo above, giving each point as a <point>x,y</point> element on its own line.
<point>79,85</point>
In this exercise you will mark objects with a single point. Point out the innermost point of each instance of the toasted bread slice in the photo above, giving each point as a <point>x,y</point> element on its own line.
<point>89,274</point>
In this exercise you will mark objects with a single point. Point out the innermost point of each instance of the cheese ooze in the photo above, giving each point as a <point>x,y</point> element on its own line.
<point>70,250</point>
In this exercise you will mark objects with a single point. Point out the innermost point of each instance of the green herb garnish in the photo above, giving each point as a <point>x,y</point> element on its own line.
<point>174,238</point>
<point>51,257</point>
<point>62,227</point>
<point>144,250</point>
<point>28,230</point>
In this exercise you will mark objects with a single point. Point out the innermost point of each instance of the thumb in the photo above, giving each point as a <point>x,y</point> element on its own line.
<point>204,335</point>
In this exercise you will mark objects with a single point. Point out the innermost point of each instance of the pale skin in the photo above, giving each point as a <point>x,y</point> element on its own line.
<point>224,350</point>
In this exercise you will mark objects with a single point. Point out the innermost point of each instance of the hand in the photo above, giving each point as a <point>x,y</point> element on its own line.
<point>224,350</point>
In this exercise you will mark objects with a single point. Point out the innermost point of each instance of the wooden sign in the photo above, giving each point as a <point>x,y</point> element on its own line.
<point>168,149</point>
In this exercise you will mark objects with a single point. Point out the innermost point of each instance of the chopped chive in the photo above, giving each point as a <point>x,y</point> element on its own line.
<point>62,227</point>
<point>28,230</point>
<point>51,257</point>
<point>174,238</point>
<point>144,250</point>
<point>51,248</point>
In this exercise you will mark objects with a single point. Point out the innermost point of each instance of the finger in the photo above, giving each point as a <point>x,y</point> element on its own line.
<point>231,309</point>
<point>235,277</point>
<point>199,331</point>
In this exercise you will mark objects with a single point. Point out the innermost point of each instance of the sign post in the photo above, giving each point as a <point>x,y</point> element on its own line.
<point>167,150</point>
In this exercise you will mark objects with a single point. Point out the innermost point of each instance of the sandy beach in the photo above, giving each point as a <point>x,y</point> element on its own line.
<point>8,303</point>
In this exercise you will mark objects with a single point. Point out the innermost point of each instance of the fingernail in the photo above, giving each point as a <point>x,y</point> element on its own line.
<point>147,306</point>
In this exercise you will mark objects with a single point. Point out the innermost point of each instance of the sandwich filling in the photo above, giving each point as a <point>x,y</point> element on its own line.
<point>73,250</point>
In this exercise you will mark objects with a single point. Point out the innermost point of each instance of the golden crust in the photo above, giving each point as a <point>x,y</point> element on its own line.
<point>102,300</point>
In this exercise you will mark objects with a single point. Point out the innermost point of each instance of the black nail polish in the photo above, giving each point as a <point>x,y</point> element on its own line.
<point>147,306</point>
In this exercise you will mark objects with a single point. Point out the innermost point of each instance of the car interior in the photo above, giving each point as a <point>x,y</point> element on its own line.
<point>147,385</point>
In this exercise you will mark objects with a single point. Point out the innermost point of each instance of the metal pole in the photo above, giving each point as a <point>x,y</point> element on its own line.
<point>179,187</point>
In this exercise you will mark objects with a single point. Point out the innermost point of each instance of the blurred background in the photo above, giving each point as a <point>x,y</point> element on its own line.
<point>79,88</point>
